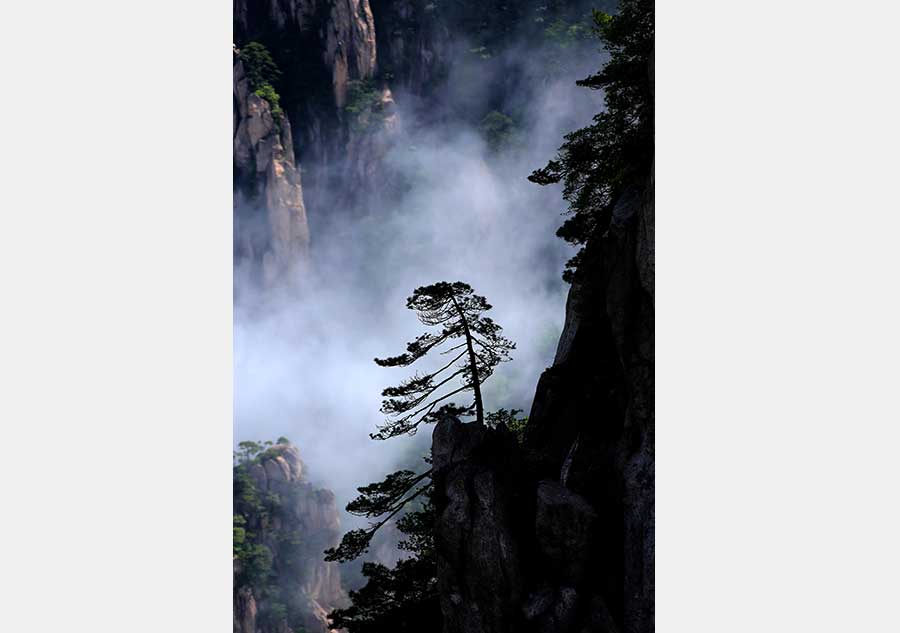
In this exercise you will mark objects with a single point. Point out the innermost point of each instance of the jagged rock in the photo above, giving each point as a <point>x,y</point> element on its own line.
<point>306,511</point>
<point>538,603</point>
<point>271,230</point>
<point>600,620</point>
<point>564,613</point>
<point>345,38</point>
<point>244,611</point>
<point>479,575</point>
<point>412,43</point>
<point>590,467</point>
<point>350,48</point>
<point>593,411</point>
<point>564,526</point>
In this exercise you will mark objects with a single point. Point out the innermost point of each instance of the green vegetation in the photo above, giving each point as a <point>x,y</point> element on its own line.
<point>254,452</point>
<point>565,33</point>
<point>598,163</point>
<point>270,558</point>
<point>262,73</point>
<point>259,67</point>
<point>405,598</point>
<point>510,420</point>
<point>267,92</point>
<point>364,104</point>
<point>498,130</point>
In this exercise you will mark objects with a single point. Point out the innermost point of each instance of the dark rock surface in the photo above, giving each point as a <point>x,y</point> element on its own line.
<point>479,578</point>
<point>557,535</point>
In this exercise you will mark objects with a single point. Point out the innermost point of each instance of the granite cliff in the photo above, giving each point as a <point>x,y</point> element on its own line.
<point>270,227</point>
<point>282,525</point>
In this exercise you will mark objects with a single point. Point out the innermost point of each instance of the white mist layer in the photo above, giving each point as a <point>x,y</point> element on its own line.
<point>303,364</point>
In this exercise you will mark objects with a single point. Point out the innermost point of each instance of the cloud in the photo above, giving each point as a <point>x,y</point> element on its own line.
<point>303,359</point>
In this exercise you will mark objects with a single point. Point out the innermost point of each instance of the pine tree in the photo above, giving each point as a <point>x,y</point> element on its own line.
<point>459,312</point>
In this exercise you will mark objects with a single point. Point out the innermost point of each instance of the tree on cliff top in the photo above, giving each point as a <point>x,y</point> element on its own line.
<point>259,67</point>
<point>458,310</point>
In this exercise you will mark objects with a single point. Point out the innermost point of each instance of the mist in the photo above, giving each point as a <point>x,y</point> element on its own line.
<point>303,359</point>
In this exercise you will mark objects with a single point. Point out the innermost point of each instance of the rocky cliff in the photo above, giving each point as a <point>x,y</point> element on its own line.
<point>338,37</point>
<point>270,227</point>
<point>557,535</point>
<point>327,52</point>
<point>282,526</point>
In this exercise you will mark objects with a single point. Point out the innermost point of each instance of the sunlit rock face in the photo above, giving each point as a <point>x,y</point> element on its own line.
<point>343,33</point>
<point>270,227</point>
<point>341,124</point>
<point>349,49</point>
<point>306,585</point>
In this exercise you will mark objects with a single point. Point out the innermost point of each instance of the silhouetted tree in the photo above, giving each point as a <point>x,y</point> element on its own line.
<point>404,599</point>
<point>459,312</point>
<point>598,163</point>
<point>383,501</point>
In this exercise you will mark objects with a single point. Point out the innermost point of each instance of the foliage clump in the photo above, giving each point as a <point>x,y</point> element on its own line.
<point>458,311</point>
<point>510,420</point>
<point>259,67</point>
<point>405,598</point>
<point>598,163</point>
<point>364,105</point>
<point>566,34</point>
<point>262,74</point>
<point>269,557</point>
<point>267,92</point>
<point>498,130</point>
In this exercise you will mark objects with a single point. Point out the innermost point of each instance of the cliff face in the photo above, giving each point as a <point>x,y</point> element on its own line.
<point>340,33</point>
<point>282,583</point>
<point>558,535</point>
<point>413,44</point>
<point>270,227</point>
<point>338,122</point>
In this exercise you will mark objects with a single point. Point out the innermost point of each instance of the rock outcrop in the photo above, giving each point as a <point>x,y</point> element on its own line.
<point>558,536</point>
<point>478,556</point>
<point>342,116</point>
<point>295,523</point>
<point>341,33</point>
<point>350,49</point>
<point>413,44</point>
<point>270,226</point>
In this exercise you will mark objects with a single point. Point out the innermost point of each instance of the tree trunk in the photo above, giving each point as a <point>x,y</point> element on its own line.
<point>473,365</point>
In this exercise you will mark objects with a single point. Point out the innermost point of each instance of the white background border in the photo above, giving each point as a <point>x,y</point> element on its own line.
<point>777,316</point>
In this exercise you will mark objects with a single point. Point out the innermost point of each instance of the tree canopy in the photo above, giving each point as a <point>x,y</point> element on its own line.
<point>458,311</point>
<point>259,67</point>
<point>405,598</point>
<point>597,163</point>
